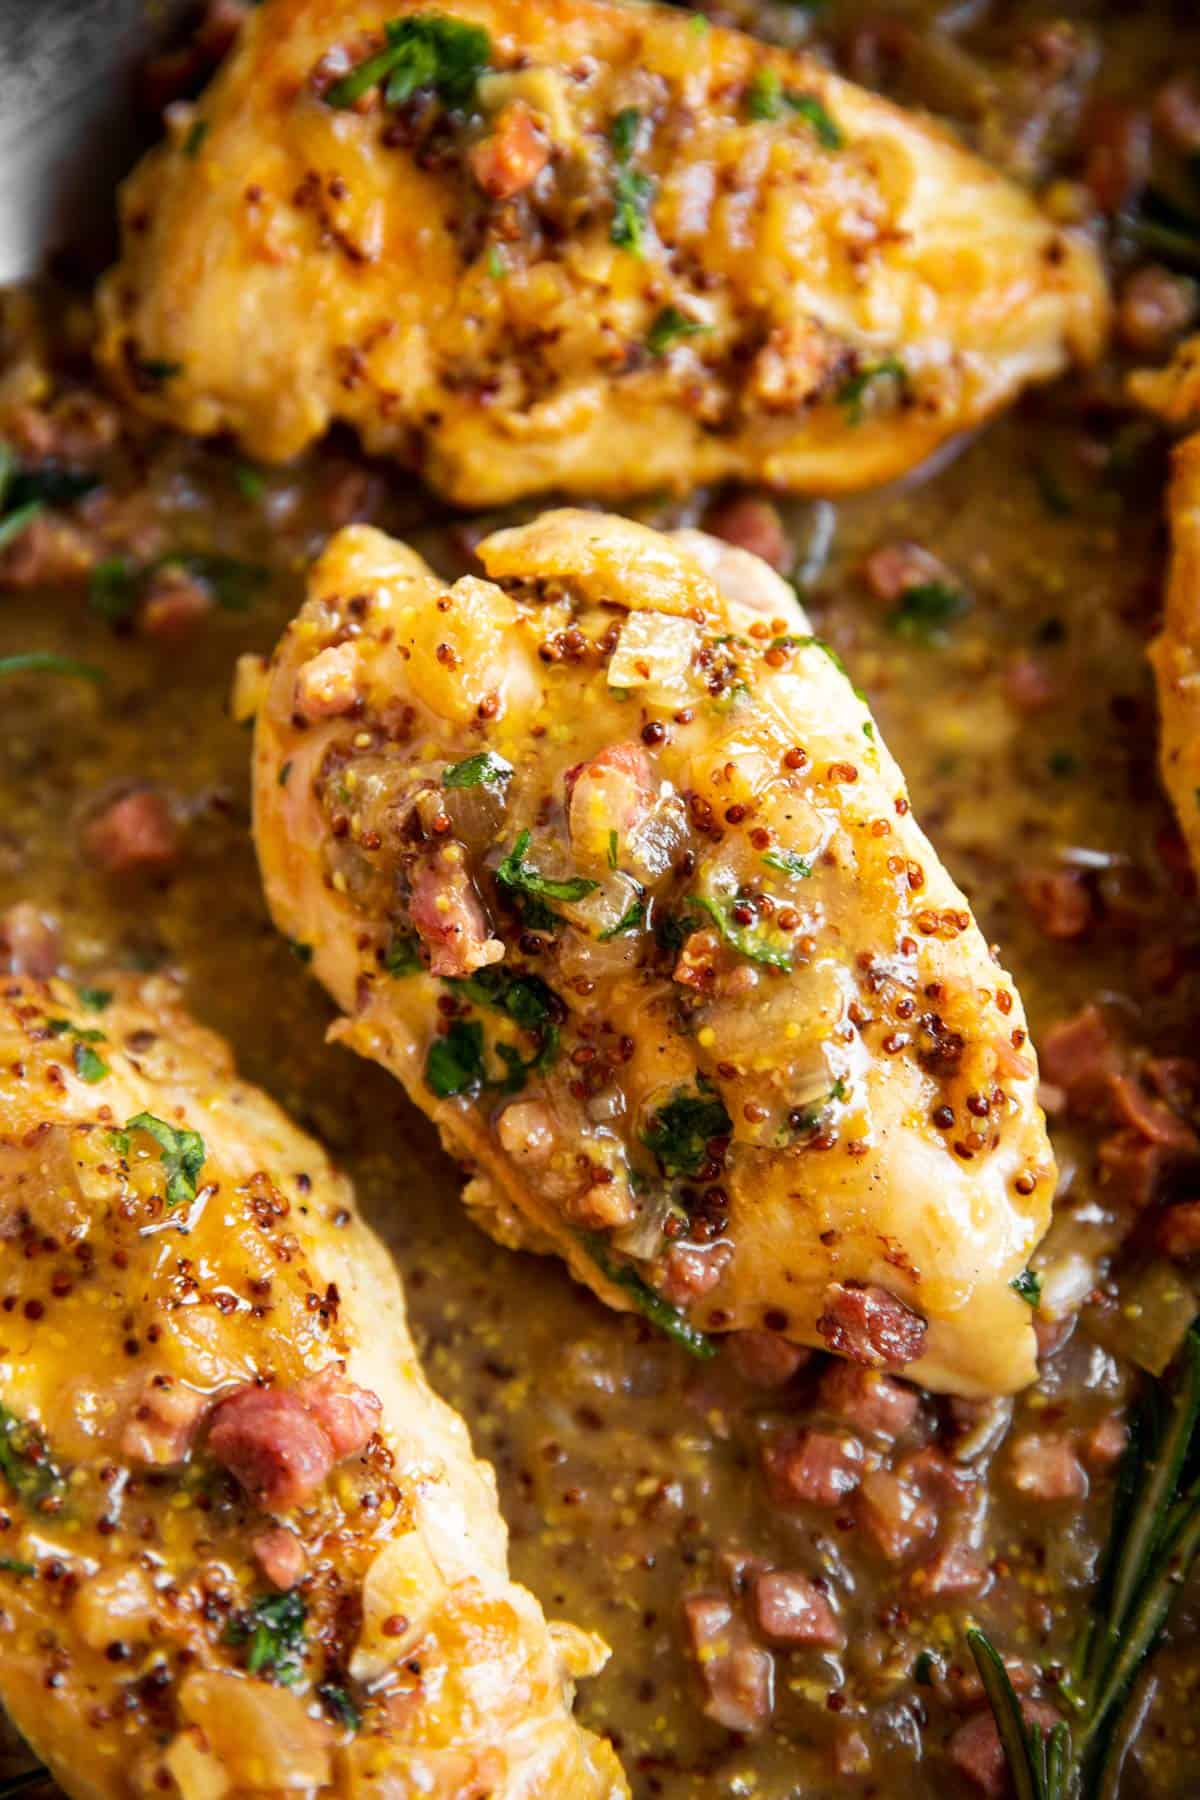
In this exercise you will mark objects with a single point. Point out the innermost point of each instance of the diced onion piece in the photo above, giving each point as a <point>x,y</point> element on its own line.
<point>249,686</point>
<point>581,1653</point>
<point>194,1769</point>
<point>403,1588</point>
<point>1152,1318</point>
<point>654,651</point>
<point>260,1735</point>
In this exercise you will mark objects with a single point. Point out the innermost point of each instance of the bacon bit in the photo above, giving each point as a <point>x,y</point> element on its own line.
<point>1105,1443</point>
<point>1045,1467</point>
<point>281,1443</point>
<point>892,569</point>
<point>1118,160</point>
<point>869,1401</point>
<point>1153,1121</point>
<point>173,604</point>
<point>975,1749</point>
<point>330,684</point>
<point>1080,1056</point>
<point>753,525</point>
<point>1176,114</point>
<point>934,1472</point>
<point>350,492</point>
<point>1132,1168</point>
<point>612,792</point>
<point>813,1466</point>
<point>605,1206</point>
<point>448,917</point>
<point>513,154</point>
<point>689,1272</point>
<point>1177,1231</point>
<point>280,1555</point>
<point>48,550</point>
<point>869,1325</point>
<point>28,941</point>
<point>696,966</point>
<point>1029,686</point>
<point>1154,309</point>
<point>137,831</point>
<point>1060,901</point>
<point>738,1674</point>
<point>953,1570</point>
<point>163,1424</point>
<point>764,1358</point>
<point>791,1609</point>
<point>894,1516</point>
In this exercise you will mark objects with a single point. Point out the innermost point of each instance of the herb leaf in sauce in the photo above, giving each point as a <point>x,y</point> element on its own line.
<point>24,1461</point>
<point>788,863</point>
<point>632,190</point>
<point>652,1306</point>
<point>425,50</point>
<point>232,582</point>
<point>923,612</point>
<point>680,1132</point>
<point>46,662</point>
<point>95,999</point>
<point>402,956</point>
<point>272,1629</point>
<point>669,326</point>
<point>454,1064</point>
<point>515,873</point>
<point>767,98</point>
<point>853,391</point>
<point>747,940</point>
<point>182,1152</point>
<point>339,1705</point>
<point>88,1065</point>
<point>484,769</point>
<point>1028,1285</point>
<point>630,919</point>
<point>113,589</point>
<point>529,1003</point>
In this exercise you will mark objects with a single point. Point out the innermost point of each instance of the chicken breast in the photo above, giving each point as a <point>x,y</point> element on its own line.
<point>246,1549</point>
<point>535,244</point>
<point>604,858</point>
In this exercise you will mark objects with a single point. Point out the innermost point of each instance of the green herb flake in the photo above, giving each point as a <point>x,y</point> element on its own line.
<point>250,482</point>
<point>1028,1286</point>
<point>788,863</point>
<point>10,1565</point>
<point>530,1004</point>
<point>113,589</point>
<point>232,583</point>
<point>15,522</point>
<point>339,1705</point>
<point>925,1668</point>
<point>651,1305</point>
<point>403,956</point>
<point>182,1154</point>
<point>303,953</point>
<point>745,939</point>
<point>424,50</point>
<point>88,1066</point>
<point>24,1460</point>
<point>633,191</point>
<point>853,392</point>
<point>194,141</point>
<point>630,919</point>
<point>1062,764</point>
<point>157,369</point>
<point>613,848</point>
<point>119,1141</point>
<point>624,131</point>
<point>669,326</point>
<point>497,268</point>
<point>95,999</point>
<point>925,611</point>
<point>812,110</point>
<point>521,877</point>
<point>680,1132</point>
<point>484,769</point>
<point>271,1630</point>
<point>281,780</point>
<point>768,99</point>
<point>764,95</point>
<point>454,1064</point>
<point>45,662</point>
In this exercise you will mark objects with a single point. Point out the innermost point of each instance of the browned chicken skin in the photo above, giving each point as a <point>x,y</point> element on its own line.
<point>593,248</point>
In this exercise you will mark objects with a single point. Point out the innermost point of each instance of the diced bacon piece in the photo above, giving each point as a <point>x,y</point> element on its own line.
<point>163,1425</point>
<point>349,492</point>
<point>49,550</point>
<point>870,1326</point>
<point>1104,1443</point>
<point>738,1674</point>
<point>851,1754</point>
<point>892,569</point>
<point>1045,1467</point>
<point>512,155</point>
<point>1177,1231</point>
<point>698,960</point>
<point>1175,1079</point>
<point>330,684</point>
<point>1176,113</point>
<point>1029,686</point>
<point>1060,901</point>
<point>1118,157</point>
<point>281,1443</point>
<point>348,1415</point>
<point>935,1473</point>
<point>174,602</point>
<point>813,1466</point>
<point>614,792</point>
<point>605,1204</point>
<point>951,1572</point>
<point>28,941</point>
<point>753,525</point>
<point>280,1555</point>
<point>527,1132</point>
<point>893,1514</point>
<point>1151,1118</point>
<point>690,1271</point>
<point>975,1749</point>
<point>448,916</point>
<point>869,1401</point>
<point>764,1358</point>
<point>790,1609</point>
<point>1132,1168</point>
<point>1155,307</point>
<point>1080,1056</point>
<point>136,832</point>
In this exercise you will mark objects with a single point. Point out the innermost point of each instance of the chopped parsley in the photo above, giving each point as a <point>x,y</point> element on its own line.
<point>529,1003</point>
<point>425,50</point>
<point>747,940</point>
<point>669,326</point>
<point>88,1065</point>
<point>630,919</point>
<point>521,877</point>
<point>767,98</point>
<point>339,1705</point>
<point>613,844</point>
<point>484,769</point>
<point>1028,1285</point>
<point>651,1305</point>
<point>923,613</point>
<point>194,141</point>
<point>10,1565</point>
<point>680,1132</point>
<point>24,1460</point>
<point>182,1154</point>
<point>1062,764</point>
<point>95,999</point>
<point>250,482</point>
<point>829,132</point>
<point>811,1118</point>
<point>403,955</point>
<point>788,863</point>
<point>15,522</point>
<point>632,189</point>
<point>232,582</point>
<point>272,1631</point>
<point>853,391</point>
<point>45,662</point>
<point>152,371</point>
<point>113,589</point>
<point>454,1064</point>
<point>51,484</point>
<point>925,1668</point>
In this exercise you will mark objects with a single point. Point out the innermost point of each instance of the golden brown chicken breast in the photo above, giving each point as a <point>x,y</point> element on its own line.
<point>534,244</point>
<point>1175,653</point>
<point>604,858</point>
<point>246,1549</point>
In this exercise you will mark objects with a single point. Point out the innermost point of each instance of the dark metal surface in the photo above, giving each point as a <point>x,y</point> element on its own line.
<point>67,130</point>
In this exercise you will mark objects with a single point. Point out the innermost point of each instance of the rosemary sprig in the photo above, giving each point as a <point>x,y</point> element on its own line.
<point>1153,1541</point>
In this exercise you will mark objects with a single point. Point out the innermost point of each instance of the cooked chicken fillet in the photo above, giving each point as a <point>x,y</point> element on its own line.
<point>246,1549</point>
<point>577,246</point>
<point>604,858</point>
<point>1175,653</point>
